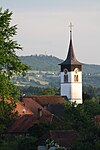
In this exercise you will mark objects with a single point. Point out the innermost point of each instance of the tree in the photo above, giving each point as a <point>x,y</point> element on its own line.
<point>27,143</point>
<point>49,91</point>
<point>9,61</point>
<point>82,119</point>
<point>10,64</point>
<point>40,129</point>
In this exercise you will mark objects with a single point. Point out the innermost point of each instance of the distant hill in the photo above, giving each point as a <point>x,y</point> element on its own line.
<point>50,63</point>
<point>91,73</point>
<point>42,62</point>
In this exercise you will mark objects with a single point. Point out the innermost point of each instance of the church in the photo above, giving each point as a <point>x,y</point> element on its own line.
<point>71,75</point>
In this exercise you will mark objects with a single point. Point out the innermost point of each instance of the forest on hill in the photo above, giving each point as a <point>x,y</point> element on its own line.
<point>50,63</point>
<point>42,62</point>
<point>91,72</point>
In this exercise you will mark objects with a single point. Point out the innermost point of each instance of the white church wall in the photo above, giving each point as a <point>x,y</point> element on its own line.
<point>66,90</point>
<point>79,76</point>
<point>72,89</point>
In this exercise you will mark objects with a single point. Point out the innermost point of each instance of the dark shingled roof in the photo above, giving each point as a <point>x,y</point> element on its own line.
<point>44,99</point>
<point>71,59</point>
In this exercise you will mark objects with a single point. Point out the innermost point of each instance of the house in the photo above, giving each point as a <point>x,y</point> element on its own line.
<point>54,104</point>
<point>32,110</point>
<point>37,109</point>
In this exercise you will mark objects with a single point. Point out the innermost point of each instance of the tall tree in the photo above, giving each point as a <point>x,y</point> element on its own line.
<point>10,64</point>
<point>9,61</point>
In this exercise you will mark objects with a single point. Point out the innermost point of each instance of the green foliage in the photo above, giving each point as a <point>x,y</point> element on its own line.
<point>50,63</point>
<point>82,119</point>
<point>91,92</point>
<point>39,129</point>
<point>30,90</point>
<point>38,91</point>
<point>49,91</point>
<point>53,81</point>
<point>41,62</point>
<point>10,64</point>
<point>91,73</point>
<point>82,115</point>
<point>51,143</point>
<point>8,95</point>
<point>7,89</point>
<point>8,143</point>
<point>11,142</point>
<point>27,143</point>
<point>92,107</point>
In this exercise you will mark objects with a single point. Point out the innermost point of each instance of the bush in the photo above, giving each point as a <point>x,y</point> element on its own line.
<point>27,143</point>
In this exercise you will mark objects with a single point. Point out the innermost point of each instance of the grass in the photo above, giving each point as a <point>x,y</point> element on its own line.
<point>39,79</point>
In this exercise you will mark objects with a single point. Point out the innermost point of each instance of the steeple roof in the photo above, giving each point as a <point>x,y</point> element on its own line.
<point>71,59</point>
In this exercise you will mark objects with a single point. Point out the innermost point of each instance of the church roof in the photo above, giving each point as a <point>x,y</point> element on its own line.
<point>71,59</point>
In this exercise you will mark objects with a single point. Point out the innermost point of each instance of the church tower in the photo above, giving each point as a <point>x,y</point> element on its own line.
<point>71,75</point>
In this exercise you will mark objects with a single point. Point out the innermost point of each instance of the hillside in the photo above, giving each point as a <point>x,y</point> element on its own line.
<point>91,73</point>
<point>42,62</point>
<point>50,63</point>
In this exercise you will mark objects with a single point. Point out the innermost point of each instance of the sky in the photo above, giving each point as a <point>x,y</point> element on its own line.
<point>43,27</point>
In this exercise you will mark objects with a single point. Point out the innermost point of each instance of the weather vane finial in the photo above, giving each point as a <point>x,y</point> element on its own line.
<point>71,26</point>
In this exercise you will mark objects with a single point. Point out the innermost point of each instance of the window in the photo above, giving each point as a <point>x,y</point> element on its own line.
<point>65,75</point>
<point>76,78</point>
<point>76,75</point>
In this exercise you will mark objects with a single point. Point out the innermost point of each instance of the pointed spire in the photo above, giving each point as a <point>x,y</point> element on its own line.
<point>71,54</point>
<point>71,26</point>
<point>71,59</point>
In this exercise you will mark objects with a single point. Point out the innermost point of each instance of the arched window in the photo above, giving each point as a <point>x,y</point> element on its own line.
<point>76,78</point>
<point>65,75</point>
<point>76,75</point>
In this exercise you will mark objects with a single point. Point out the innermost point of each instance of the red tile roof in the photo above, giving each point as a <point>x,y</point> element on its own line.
<point>30,111</point>
<point>44,100</point>
<point>30,116</point>
<point>34,106</point>
<point>22,124</point>
<point>22,109</point>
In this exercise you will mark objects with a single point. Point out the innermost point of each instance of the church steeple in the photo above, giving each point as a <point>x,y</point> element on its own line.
<point>71,59</point>
<point>71,75</point>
